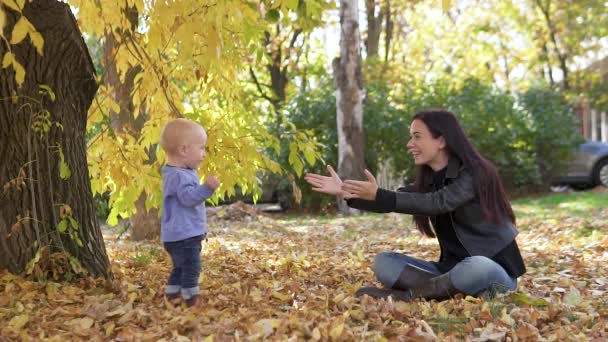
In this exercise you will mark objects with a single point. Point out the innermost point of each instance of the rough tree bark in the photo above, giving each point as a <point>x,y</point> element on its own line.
<point>349,98</point>
<point>33,191</point>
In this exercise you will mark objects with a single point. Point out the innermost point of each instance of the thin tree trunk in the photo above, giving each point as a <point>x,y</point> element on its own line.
<point>561,56</point>
<point>389,32</point>
<point>35,196</point>
<point>349,95</point>
<point>145,224</point>
<point>374,28</point>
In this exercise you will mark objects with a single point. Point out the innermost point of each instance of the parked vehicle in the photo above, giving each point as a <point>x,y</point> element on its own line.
<point>588,167</point>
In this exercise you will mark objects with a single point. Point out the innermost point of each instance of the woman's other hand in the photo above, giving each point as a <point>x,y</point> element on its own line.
<point>361,189</point>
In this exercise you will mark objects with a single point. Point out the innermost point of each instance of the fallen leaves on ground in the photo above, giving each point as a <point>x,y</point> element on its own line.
<point>281,278</point>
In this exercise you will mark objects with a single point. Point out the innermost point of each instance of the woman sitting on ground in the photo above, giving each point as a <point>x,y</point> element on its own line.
<point>457,197</point>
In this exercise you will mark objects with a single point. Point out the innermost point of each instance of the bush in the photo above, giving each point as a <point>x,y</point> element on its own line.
<point>553,131</point>
<point>527,136</point>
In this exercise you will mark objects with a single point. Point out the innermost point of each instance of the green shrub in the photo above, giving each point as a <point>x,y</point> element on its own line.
<point>527,136</point>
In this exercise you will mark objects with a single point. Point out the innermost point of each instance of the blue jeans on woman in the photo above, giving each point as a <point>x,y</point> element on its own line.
<point>471,276</point>
<point>186,258</point>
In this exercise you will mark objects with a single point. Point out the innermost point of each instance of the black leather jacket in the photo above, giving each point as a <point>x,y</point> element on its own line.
<point>459,198</point>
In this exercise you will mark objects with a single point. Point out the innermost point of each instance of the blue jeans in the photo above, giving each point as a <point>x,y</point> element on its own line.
<point>471,276</point>
<point>186,258</point>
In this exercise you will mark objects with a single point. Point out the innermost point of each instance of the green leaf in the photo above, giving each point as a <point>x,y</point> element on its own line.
<point>520,298</point>
<point>45,89</point>
<point>62,226</point>
<point>292,4</point>
<point>73,222</point>
<point>273,16</point>
<point>64,170</point>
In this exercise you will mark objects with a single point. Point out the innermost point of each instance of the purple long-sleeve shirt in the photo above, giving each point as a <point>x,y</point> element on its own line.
<point>184,198</point>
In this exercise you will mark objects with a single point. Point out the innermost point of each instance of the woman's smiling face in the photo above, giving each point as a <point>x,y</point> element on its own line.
<point>426,149</point>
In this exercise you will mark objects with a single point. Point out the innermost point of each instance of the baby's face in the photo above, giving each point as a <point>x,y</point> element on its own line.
<point>195,150</point>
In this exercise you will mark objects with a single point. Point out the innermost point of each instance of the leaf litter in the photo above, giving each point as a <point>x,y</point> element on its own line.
<point>294,278</point>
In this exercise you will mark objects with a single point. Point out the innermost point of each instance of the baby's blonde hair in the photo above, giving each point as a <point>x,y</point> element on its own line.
<point>178,132</point>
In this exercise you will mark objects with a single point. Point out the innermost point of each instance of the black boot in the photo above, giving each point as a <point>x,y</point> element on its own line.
<point>376,292</point>
<point>412,277</point>
<point>439,288</point>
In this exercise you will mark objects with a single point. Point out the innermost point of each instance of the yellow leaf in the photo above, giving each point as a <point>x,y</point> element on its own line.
<point>267,326</point>
<point>2,21</point>
<point>445,5</point>
<point>13,5</point>
<point>281,296</point>
<point>20,30</point>
<point>18,322</point>
<point>506,318</point>
<point>19,72</point>
<point>38,41</point>
<point>109,328</point>
<point>114,106</point>
<point>336,331</point>
<point>208,338</point>
<point>340,297</point>
<point>86,322</point>
<point>316,334</point>
<point>7,59</point>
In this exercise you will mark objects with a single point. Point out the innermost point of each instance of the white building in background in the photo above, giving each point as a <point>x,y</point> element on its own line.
<point>594,121</point>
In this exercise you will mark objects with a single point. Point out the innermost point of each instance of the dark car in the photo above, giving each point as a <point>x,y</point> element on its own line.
<point>588,167</point>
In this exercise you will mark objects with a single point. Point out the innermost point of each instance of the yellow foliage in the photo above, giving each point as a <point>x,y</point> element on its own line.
<point>190,55</point>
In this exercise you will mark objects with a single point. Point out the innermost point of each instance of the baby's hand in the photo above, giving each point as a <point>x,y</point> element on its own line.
<point>212,182</point>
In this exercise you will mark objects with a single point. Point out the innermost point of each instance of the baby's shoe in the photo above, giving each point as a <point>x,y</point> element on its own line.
<point>172,296</point>
<point>193,301</point>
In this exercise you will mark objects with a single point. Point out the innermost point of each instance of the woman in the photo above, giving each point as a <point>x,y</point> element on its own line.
<point>459,194</point>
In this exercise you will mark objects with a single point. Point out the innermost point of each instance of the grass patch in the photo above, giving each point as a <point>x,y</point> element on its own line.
<point>448,324</point>
<point>569,204</point>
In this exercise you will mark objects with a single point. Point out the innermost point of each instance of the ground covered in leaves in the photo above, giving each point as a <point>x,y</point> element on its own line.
<point>294,277</point>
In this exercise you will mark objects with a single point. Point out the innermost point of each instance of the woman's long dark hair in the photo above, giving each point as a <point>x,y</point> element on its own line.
<point>492,196</point>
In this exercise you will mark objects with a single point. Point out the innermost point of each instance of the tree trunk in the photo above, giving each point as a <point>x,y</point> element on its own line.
<point>374,27</point>
<point>349,94</point>
<point>389,32</point>
<point>145,224</point>
<point>35,197</point>
<point>562,56</point>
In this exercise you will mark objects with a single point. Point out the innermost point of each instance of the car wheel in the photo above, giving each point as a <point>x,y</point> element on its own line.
<point>600,173</point>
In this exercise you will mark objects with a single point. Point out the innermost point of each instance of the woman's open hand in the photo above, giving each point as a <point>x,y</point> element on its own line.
<point>331,185</point>
<point>361,189</point>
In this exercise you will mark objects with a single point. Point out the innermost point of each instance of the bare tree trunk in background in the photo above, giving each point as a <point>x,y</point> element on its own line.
<point>562,55</point>
<point>145,224</point>
<point>389,32</point>
<point>349,95</point>
<point>374,28</point>
<point>35,196</point>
